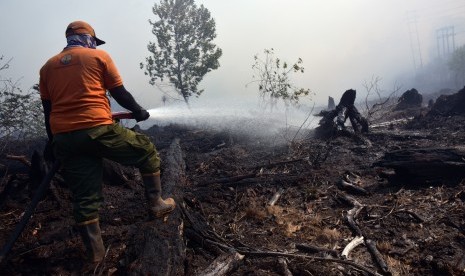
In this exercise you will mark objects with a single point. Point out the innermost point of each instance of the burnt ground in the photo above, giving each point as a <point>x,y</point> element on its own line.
<point>418,226</point>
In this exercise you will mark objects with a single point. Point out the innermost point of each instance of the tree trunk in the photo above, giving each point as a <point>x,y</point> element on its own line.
<point>157,247</point>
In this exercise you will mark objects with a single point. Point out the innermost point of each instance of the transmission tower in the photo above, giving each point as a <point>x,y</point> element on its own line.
<point>445,41</point>
<point>414,39</point>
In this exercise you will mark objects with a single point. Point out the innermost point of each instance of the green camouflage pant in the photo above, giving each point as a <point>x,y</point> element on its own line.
<point>81,152</point>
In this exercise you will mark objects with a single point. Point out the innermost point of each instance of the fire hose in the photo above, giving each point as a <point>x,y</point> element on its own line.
<point>43,187</point>
<point>122,115</point>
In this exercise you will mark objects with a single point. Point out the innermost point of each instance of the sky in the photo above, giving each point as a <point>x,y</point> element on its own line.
<point>343,44</point>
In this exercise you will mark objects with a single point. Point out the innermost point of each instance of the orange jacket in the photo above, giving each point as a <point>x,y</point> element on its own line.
<point>75,82</point>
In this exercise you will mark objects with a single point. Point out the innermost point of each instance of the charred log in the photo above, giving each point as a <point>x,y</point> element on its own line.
<point>427,165</point>
<point>157,247</point>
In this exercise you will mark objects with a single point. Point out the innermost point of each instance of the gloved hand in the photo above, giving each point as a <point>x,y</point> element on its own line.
<point>141,115</point>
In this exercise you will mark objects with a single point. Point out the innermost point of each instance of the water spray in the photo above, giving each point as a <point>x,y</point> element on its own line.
<point>242,118</point>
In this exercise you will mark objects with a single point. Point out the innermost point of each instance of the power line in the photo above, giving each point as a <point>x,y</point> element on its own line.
<point>440,7</point>
<point>460,10</point>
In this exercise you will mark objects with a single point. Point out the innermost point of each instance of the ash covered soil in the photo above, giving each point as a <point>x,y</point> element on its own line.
<point>417,226</point>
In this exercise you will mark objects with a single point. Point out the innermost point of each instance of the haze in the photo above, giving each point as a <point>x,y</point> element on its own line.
<point>342,43</point>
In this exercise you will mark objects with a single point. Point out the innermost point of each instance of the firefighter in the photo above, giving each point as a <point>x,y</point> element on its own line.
<point>73,86</point>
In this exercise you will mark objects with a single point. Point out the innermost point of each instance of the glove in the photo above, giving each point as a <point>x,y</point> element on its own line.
<point>141,115</point>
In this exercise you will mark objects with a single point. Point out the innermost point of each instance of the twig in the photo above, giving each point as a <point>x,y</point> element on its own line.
<point>275,197</point>
<point>280,254</point>
<point>385,216</point>
<point>308,248</point>
<point>351,188</point>
<point>321,259</point>
<point>349,200</point>
<point>7,214</point>
<point>411,213</point>
<point>20,158</point>
<point>303,123</point>
<point>200,236</point>
<point>351,216</point>
<point>351,245</point>
<point>281,163</point>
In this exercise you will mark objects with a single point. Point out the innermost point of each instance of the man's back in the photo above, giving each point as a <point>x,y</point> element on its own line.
<point>75,81</point>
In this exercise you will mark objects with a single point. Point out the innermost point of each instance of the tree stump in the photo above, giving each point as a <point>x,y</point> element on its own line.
<point>157,247</point>
<point>410,99</point>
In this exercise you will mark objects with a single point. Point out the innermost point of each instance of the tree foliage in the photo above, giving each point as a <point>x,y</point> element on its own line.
<point>274,79</point>
<point>183,52</point>
<point>21,115</point>
<point>457,65</point>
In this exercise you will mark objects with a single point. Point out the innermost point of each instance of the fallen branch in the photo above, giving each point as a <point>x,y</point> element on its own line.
<point>223,265</point>
<point>248,253</point>
<point>351,245</point>
<point>206,243</point>
<point>197,229</point>
<point>281,163</point>
<point>371,245</point>
<point>300,256</point>
<point>351,216</point>
<point>20,158</point>
<point>351,188</point>
<point>349,200</point>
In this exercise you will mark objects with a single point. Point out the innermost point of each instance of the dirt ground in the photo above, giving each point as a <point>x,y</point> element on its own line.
<point>417,227</point>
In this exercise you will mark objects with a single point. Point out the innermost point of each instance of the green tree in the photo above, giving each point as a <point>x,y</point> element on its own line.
<point>274,79</point>
<point>184,50</point>
<point>457,65</point>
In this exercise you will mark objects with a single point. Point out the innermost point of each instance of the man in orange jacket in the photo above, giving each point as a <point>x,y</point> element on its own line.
<point>73,87</point>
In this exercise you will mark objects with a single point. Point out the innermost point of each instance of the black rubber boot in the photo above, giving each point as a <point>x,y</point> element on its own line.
<point>157,206</point>
<point>92,239</point>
